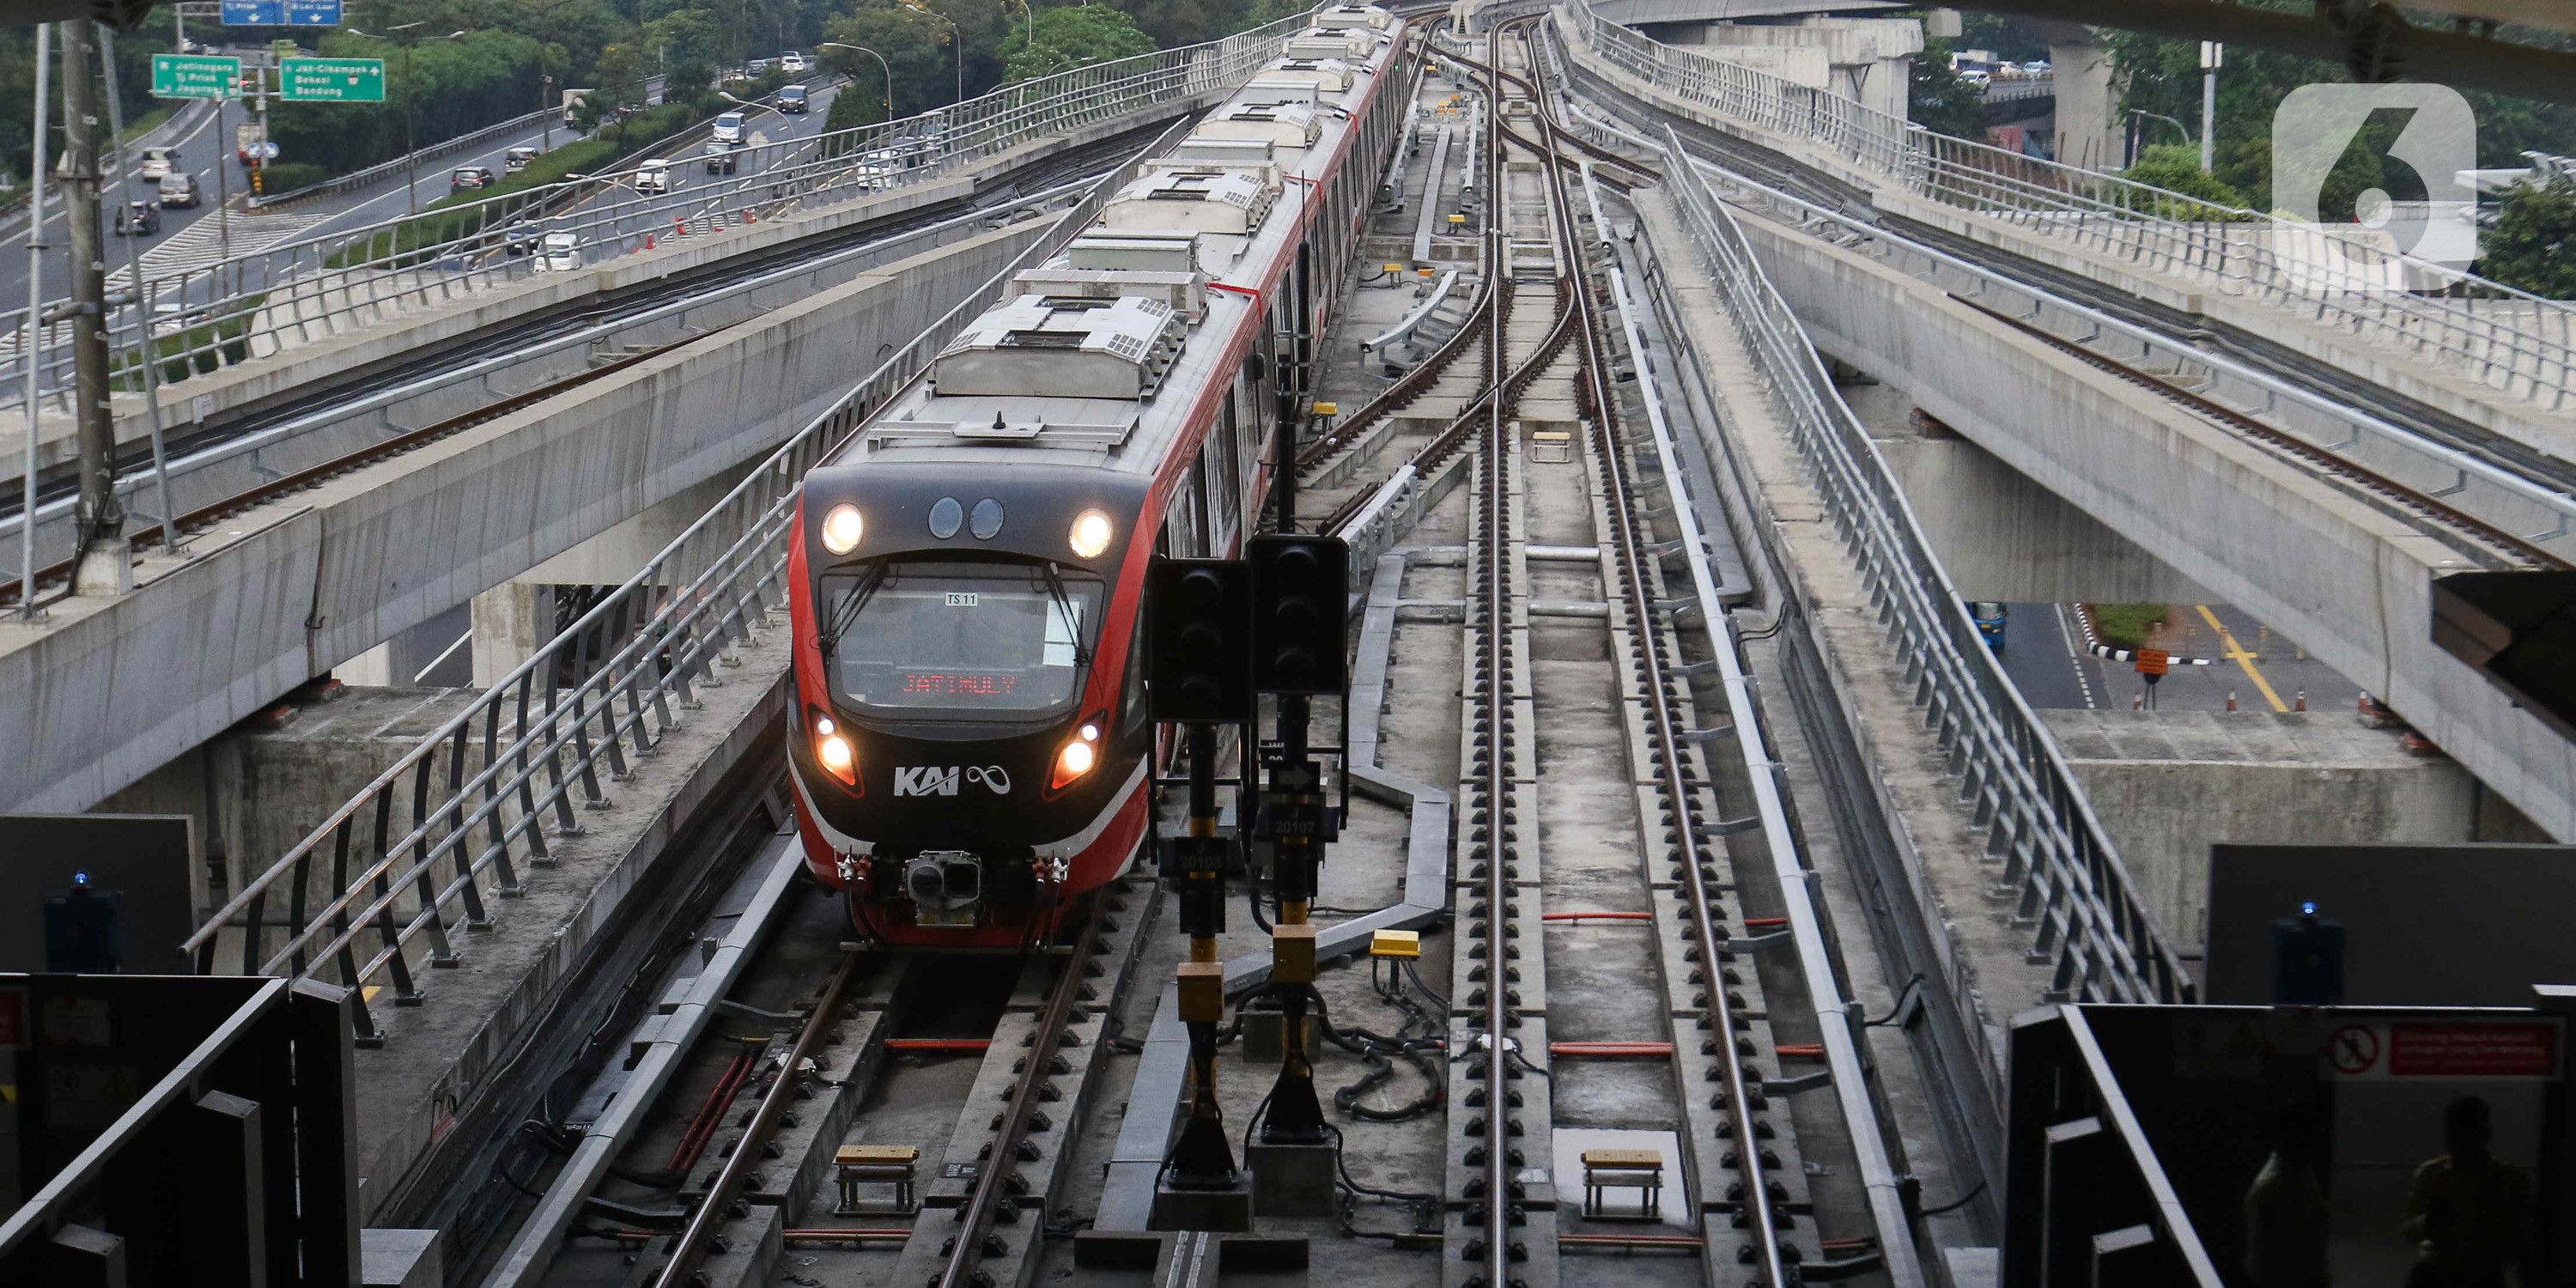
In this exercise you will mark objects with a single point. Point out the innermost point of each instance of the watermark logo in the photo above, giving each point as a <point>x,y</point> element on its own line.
<point>2365,174</point>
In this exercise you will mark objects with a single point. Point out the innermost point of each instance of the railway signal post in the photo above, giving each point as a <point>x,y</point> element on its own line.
<point>1301,589</point>
<point>1199,676</point>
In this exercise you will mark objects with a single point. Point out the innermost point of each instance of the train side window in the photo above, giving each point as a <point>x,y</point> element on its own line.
<point>1192,519</point>
<point>1131,705</point>
<point>1228,472</point>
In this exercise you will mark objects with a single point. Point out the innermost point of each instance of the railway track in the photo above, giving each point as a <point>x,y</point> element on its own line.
<point>1858,223</point>
<point>1557,531</point>
<point>54,578</point>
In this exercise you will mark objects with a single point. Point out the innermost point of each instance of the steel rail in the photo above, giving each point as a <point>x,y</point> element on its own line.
<point>1664,725</point>
<point>682,298</point>
<point>2505,478</point>
<point>690,1247</point>
<point>984,1201</point>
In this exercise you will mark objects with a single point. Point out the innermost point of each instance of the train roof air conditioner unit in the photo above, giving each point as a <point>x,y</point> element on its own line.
<point>1227,203</point>
<point>1369,17</point>
<point>1146,249</point>
<point>1285,125</point>
<point>1039,346</point>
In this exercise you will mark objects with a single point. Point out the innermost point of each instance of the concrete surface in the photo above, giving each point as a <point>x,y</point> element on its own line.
<point>399,1259</point>
<point>2169,784</point>
<point>2368,361</point>
<point>112,688</point>
<point>2348,580</point>
<point>438,1058</point>
<point>2001,535</point>
<point>259,788</point>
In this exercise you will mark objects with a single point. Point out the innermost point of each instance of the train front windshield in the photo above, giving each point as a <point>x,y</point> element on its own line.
<point>960,639</point>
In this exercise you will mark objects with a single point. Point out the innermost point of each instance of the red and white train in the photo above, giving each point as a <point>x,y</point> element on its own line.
<point>969,737</point>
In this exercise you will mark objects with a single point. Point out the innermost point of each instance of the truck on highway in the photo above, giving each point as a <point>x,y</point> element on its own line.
<point>572,101</point>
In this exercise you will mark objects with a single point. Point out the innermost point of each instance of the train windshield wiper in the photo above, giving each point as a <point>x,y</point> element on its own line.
<point>852,600</point>
<point>1064,605</point>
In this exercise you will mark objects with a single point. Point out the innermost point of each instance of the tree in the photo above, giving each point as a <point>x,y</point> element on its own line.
<point>1939,99</point>
<point>1061,39</point>
<point>2175,167</point>
<point>2533,243</point>
<point>909,42</point>
<point>685,44</point>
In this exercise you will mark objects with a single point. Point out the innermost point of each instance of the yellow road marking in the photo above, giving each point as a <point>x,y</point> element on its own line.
<point>2243,658</point>
<point>369,992</point>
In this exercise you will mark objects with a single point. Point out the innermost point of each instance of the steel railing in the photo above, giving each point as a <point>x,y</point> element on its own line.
<point>461,815</point>
<point>2066,876</point>
<point>356,179</point>
<point>2508,340</point>
<point>2537,516</point>
<point>303,291</point>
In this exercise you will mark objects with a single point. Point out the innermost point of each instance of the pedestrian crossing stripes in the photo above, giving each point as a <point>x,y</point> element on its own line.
<point>203,243</point>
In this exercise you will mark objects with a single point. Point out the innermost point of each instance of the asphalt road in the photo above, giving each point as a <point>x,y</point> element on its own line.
<point>2045,656</point>
<point>194,237</point>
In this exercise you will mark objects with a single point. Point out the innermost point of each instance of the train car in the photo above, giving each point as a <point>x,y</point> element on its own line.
<point>969,737</point>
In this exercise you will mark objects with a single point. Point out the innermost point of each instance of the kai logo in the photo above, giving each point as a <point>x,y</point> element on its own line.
<point>943,780</point>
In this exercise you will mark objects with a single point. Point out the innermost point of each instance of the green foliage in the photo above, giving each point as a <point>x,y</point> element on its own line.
<point>2007,37</point>
<point>852,108</point>
<point>206,348</point>
<point>1061,39</point>
<point>1938,99</point>
<point>2533,245</point>
<point>688,45</point>
<point>2164,76</point>
<point>436,90</point>
<point>913,45</point>
<point>2127,625</point>
<point>1172,23</point>
<point>2175,167</point>
<point>279,177</point>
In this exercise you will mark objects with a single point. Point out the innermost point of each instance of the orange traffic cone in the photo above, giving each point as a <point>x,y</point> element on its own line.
<point>2231,699</point>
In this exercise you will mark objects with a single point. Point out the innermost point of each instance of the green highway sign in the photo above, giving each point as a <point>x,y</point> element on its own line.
<point>194,76</point>
<point>331,80</point>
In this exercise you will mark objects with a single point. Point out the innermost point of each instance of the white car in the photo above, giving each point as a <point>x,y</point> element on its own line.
<point>157,163</point>
<point>1976,77</point>
<point>792,63</point>
<point>654,176</point>
<point>2035,67</point>
<point>559,253</point>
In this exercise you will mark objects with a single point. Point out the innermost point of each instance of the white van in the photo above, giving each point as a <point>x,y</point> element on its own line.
<point>727,129</point>
<point>559,253</point>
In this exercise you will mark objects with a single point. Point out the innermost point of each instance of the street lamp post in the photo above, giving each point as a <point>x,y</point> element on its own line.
<point>881,63</point>
<point>956,43</point>
<point>411,146</point>
<point>2137,136</point>
<point>2212,55</point>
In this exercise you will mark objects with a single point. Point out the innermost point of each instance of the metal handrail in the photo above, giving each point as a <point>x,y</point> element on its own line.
<point>609,686</point>
<point>2508,340</point>
<point>383,169</point>
<point>2537,512</point>
<point>2071,885</point>
<point>312,288</point>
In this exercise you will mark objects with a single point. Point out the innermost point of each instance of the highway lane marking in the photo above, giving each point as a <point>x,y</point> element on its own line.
<point>2242,658</point>
<point>2074,657</point>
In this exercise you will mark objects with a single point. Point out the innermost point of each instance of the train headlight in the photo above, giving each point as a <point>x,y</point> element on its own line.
<point>1090,535</point>
<point>842,528</point>
<point>832,750</point>
<point>1076,759</point>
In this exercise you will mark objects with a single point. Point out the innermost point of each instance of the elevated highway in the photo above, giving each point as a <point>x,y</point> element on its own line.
<point>289,582</point>
<point>2314,439</point>
<point>2316,453</point>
